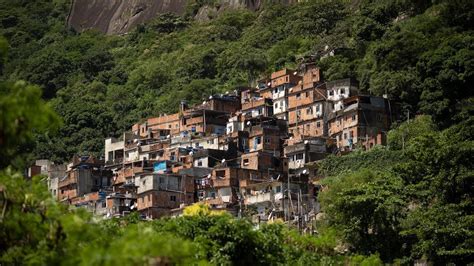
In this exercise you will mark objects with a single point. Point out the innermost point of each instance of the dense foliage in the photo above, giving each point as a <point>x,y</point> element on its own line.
<point>418,52</point>
<point>408,202</point>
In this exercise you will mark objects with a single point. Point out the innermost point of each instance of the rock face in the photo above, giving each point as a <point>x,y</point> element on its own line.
<point>118,16</point>
<point>121,16</point>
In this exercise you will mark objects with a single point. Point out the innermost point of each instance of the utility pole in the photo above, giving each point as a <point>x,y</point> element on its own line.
<point>204,119</point>
<point>288,191</point>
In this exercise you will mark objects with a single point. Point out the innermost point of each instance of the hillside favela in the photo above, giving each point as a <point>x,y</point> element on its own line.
<point>217,132</point>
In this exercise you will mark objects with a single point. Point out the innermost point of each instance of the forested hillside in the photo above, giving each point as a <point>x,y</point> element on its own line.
<point>408,202</point>
<point>418,52</point>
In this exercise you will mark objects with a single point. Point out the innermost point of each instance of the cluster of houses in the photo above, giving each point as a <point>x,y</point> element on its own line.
<point>249,152</point>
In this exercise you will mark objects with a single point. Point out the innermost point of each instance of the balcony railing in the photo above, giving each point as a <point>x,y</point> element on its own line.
<point>114,161</point>
<point>263,197</point>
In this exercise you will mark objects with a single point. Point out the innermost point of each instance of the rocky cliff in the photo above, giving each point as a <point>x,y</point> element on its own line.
<point>120,16</point>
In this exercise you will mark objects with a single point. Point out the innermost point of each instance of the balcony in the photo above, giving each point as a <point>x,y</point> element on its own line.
<point>114,162</point>
<point>263,197</point>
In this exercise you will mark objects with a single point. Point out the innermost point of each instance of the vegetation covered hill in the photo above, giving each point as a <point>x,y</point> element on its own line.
<point>409,201</point>
<point>417,52</point>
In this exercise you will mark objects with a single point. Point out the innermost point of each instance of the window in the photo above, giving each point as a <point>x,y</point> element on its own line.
<point>276,105</point>
<point>220,173</point>
<point>299,156</point>
<point>307,126</point>
<point>351,133</point>
<point>268,140</point>
<point>331,93</point>
<point>199,163</point>
<point>169,126</point>
<point>298,113</point>
<point>345,135</point>
<point>278,189</point>
<point>258,140</point>
<point>298,96</point>
<point>213,195</point>
<point>318,108</point>
<point>354,117</point>
<point>246,162</point>
<point>176,126</point>
<point>309,110</point>
<point>318,124</point>
<point>172,198</point>
<point>307,94</point>
<point>144,182</point>
<point>287,79</point>
<point>343,91</point>
<point>172,157</point>
<point>275,91</point>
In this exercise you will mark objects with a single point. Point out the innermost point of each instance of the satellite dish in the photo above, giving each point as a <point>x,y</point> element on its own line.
<point>294,73</point>
<point>291,89</point>
<point>208,176</point>
<point>203,103</point>
<point>168,136</point>
<point>226,92</point>
<point>223,161</point>
<point>191,153</point>
<point>248,123</point>
<point>304,171</point>
<point>135,140</point>
<point>269,83</point>
<point>210,97</point>
<point>278,177</point>
<point>306,142</point>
